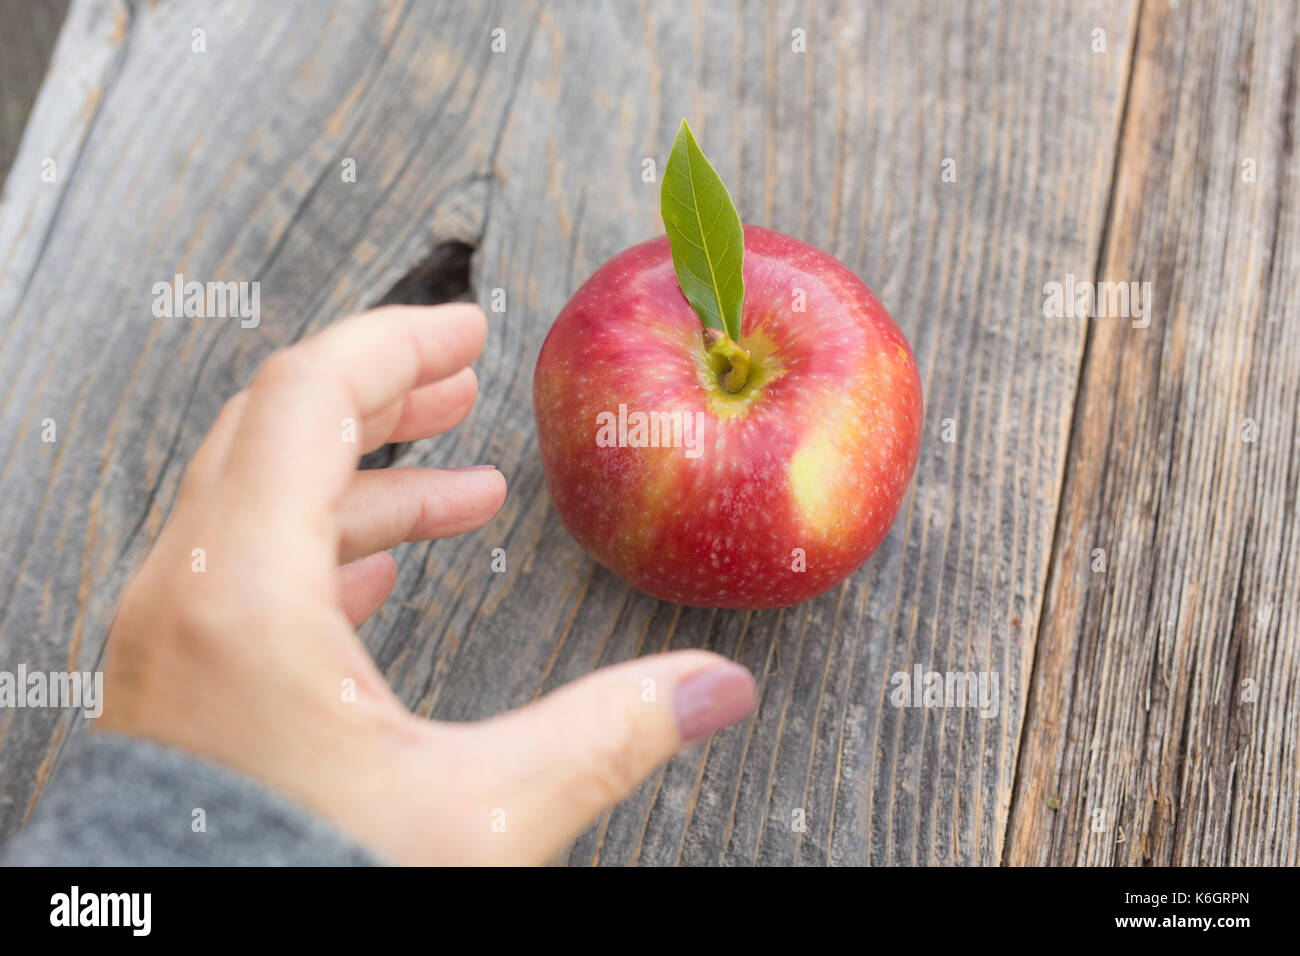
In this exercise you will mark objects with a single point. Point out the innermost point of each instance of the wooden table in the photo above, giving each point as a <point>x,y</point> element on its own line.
<point>1104,515</point>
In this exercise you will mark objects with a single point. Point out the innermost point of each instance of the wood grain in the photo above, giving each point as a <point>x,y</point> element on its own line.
<point>225,165</point>
<point>843,146</point>
<point>1167,689</point>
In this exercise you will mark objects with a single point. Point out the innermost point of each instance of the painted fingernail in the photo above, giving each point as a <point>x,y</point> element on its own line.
<point>712,699</point>
<point>474,468</point>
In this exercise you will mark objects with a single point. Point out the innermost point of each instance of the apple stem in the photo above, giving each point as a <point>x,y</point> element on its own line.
<point>727,358</point>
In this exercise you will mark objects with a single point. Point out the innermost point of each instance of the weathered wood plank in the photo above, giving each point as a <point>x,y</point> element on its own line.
<point>969,555</point>
<point>1164,706</point>
<point>534,156</point>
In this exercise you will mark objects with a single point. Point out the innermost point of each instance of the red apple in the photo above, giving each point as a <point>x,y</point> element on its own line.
<point>791,482</point>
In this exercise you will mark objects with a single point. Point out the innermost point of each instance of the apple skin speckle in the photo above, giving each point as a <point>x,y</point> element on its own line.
<point>795,480</point>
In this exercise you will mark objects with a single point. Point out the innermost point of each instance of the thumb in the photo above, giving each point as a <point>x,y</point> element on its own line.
<point>559,762</point>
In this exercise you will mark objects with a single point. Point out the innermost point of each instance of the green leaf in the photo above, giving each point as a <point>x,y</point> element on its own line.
<point>705,235</point>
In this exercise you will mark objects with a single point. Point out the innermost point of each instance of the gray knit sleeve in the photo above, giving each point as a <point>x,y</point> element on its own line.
<point>117,800</point>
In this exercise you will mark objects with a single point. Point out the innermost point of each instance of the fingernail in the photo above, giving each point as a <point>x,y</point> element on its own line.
<point>474,468</point>
<point>712,699</point>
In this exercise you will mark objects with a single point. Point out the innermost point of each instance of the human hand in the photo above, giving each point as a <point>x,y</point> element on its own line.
<point>241,651</point>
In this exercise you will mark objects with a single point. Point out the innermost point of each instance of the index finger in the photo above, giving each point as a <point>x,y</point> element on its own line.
<point>299,436</point>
